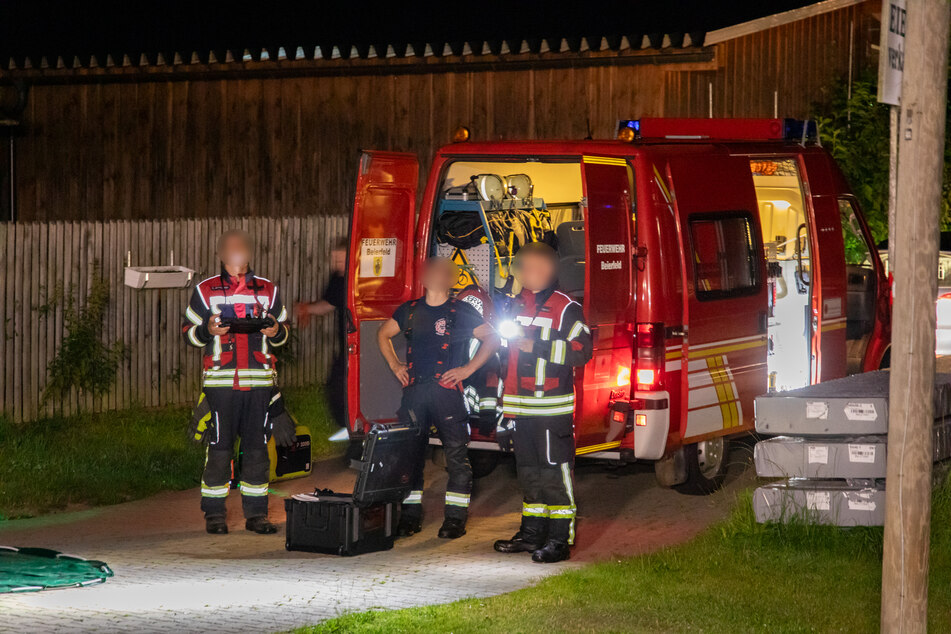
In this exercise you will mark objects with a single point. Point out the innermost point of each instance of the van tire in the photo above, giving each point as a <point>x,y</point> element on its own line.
<point>706,466</point>
<point>483,462</point>
<point>886,362</point>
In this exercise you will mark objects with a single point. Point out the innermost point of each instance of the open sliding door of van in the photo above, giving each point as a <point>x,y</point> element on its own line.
<point>608,216</point>
<point>379,278</point>
<point>725,304</point>
<point>829,309</point>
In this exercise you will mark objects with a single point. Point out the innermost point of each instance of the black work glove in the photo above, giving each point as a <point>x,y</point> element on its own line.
<point>202,426</point>
<point>280,425</point>
<point>505,435</point>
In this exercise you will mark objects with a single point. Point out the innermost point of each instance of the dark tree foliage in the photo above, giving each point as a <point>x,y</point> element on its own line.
<point>856,131</point>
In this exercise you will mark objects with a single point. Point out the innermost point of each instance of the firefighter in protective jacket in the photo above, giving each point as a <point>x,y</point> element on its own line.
<point>238,379</point>
<point>546,338</point>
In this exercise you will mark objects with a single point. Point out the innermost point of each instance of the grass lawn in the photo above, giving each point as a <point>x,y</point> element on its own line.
<point>93,459</point>
<point>738,576</point>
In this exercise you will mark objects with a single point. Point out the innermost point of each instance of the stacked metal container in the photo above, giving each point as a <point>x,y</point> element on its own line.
<point>828,445</point>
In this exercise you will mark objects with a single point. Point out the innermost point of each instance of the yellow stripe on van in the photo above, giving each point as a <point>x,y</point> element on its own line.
<point>701,354</point>
<point>836,326</point>
<point>595,448</point>
<point>725,390</point>
<point>604,160</point>
<point>662,185</point>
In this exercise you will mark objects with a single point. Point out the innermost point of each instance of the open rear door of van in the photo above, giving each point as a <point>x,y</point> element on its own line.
<point>379,278</point>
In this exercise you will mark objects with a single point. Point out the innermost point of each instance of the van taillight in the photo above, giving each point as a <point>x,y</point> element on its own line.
<point>649,356</point>
<point>623,376</point>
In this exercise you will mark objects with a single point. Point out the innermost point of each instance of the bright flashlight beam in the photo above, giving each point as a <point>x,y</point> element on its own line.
<point>509,329</point>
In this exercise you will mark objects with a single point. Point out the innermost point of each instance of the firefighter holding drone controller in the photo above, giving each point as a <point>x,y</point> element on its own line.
<point>237,319</point>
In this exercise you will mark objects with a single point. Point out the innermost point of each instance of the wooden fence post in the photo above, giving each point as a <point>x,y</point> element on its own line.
<point>920,170</point>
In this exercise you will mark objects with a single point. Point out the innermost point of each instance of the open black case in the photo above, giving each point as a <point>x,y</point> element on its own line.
<point>364,521</point>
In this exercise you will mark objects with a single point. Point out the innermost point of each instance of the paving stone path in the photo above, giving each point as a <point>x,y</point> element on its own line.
<point>171,576</point>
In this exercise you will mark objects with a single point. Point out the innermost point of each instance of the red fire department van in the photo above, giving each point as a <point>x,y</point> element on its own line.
<point>716,259</point>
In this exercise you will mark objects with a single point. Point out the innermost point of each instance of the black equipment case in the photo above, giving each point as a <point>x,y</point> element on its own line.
<point>341,524</point>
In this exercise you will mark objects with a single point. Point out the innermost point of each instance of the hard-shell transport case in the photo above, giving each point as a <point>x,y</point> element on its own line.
<point>385,470</point>
<point>341,524</point>
<point>328,522</point>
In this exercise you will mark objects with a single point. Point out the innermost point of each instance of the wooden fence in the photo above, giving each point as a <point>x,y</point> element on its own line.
<point>45,264</point>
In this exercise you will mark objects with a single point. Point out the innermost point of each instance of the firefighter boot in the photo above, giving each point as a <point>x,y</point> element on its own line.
<point>552,552</point>
<point>216,525</point>
<point>529,538</point>
<point>410,524</point>
<point>452,528</point>
<point>260,525</point>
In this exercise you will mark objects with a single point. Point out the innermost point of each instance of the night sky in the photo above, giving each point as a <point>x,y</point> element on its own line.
<point>35,28</point>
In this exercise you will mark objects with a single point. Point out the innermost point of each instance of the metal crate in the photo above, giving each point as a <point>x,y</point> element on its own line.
<point>823,457</point>
<point>833,502</point>
<point>853,406</point>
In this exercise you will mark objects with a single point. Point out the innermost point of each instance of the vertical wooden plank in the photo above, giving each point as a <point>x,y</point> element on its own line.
<point>44,322</point>
<point>99,272</point>
<point>180,169</point>
<point>127,321</point>
<point>8,240</point>
<point>19,328</point>
<point>30,296</point>
<point>153,308</point>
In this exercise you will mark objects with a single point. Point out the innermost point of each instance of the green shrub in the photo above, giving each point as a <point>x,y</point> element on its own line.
<point>84,362</point>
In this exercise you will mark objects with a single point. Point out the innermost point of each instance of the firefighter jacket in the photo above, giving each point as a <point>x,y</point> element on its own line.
<point>541,382</point>
<point>483,390</point>
<point>238,361</point>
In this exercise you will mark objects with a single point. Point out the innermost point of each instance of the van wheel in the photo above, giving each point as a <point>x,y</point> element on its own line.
<point>706,466</point>
<point>483,462</point>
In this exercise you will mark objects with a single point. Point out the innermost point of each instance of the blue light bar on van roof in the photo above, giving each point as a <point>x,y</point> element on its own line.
<point>734,129</point>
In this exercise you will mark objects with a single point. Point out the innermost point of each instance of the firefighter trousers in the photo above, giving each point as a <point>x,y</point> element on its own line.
<point>544,459</point>
<point>434,407</point>
<point>237,414</point>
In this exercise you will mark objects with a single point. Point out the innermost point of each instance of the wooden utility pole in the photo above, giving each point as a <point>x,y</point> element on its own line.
<point>920,168</point>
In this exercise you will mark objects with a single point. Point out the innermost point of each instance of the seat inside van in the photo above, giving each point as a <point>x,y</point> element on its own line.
<point>571,257</point>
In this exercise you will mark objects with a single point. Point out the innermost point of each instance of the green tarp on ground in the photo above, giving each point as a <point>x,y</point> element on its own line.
<point>32,569</point>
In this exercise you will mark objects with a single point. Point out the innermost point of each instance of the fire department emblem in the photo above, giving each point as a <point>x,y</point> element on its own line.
<point>441,326</point>
<point>377,266</point>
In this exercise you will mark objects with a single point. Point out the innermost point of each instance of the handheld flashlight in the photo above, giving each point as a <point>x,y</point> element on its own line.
<point>509,329</point>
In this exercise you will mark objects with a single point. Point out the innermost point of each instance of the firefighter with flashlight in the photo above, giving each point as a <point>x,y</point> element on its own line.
<point>546,338</point>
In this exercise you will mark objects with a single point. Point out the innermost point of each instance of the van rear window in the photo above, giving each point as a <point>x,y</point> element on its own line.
<point>724,255</point>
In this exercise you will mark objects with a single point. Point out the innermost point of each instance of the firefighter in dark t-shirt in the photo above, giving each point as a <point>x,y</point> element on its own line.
<point>438,330</point>
<point>334,299</point>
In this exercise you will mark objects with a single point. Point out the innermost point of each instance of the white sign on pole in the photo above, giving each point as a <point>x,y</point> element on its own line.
<point>891,55</point>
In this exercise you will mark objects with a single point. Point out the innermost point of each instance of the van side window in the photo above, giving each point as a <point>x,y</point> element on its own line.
<point>860,278</point>
<point>857,251</point>
<point>724,255</point>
